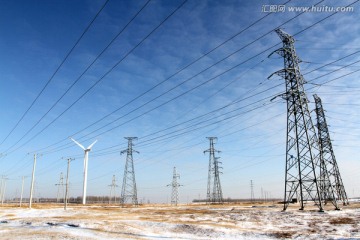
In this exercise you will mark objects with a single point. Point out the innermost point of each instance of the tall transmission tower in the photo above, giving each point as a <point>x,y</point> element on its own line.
<point>60,185</point>
<point>214,196</point>
<point>113,187</point>
<point>327,156</point>
<point>302,154</point>
<point>128,190</point>
<point>175,187</point>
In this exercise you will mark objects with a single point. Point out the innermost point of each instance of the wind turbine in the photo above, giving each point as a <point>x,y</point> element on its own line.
<point>86,158</point>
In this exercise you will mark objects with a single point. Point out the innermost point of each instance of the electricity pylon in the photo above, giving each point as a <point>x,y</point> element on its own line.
<point>328,159</point>
<point>214,196</point>
<point>60,188</point>
<point>302,154</point>
<point>128,189</point>
<point>252,198</point>
<point>113,187</point>
<point>175,186</point>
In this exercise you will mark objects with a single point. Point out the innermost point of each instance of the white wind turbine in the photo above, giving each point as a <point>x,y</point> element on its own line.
<point>86,158</point>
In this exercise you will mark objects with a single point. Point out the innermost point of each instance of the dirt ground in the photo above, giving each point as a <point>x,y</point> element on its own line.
<point>195,221</point>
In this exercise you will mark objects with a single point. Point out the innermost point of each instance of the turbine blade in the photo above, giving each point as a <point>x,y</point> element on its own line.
<point>89,147</point>
<point>78,144</point>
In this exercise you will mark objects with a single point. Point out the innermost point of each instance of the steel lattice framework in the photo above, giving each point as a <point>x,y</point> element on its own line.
<point>113,187</point>
<point>214,196</point>
<point>175,187</point>
<point>302,154</point>
<point>128,190</point>
<point>60,192</point>
<point>327,159</point>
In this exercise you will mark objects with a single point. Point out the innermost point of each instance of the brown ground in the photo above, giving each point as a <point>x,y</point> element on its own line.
<point>233,221</point>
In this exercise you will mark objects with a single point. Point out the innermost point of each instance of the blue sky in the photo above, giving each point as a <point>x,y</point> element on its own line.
<point>170,120</point>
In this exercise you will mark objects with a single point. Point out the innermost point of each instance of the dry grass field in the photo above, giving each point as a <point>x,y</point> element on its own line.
<point>195,221</point>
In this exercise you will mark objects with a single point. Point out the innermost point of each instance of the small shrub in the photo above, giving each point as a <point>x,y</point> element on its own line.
<point>282,234</point>
<point>342,220</point>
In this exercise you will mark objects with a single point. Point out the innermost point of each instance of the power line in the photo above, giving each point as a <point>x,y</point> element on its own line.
<point>191,127</point>
<point>322,84</point>
<point>203,115</point>
<point>188,65</point>
<point>222,73</point>
<point>280,84</point>
<point>57,69</point>
<point>83,73</point>
<point>103,76</point>
<point>229,105</point>
<point>202,72</point>
<point>311,80</point>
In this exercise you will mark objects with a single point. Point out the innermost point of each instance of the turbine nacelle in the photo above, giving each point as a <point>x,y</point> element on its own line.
<point>81,146</point>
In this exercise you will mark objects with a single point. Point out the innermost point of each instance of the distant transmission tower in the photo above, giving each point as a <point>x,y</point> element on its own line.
<point>175,186</point>
<point>302,154</point>
<point>129,190</point>
<point>252,198</point>
<point>327,157</point>
<point>113,187</point>
<point>60,185</point>
<point>214,196</point>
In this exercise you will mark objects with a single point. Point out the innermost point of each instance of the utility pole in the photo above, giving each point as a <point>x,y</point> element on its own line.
<point>22,190</point>
<point>329,167</point>
<point>32,181</point>
<point>67,182</point>
<point>175,186</point>
<point>113,187</point>
<point>214,196</point>
<point>60,188</point>
<point>1,187</point>
<point>129,184</point>
<point>302,153</point>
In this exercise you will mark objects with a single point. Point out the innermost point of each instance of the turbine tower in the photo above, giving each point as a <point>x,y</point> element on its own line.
<point>327,156</point>
<point>302,154</point>
<point>128,189</point>
<point>214,196</point>
<point>175,186</point>
<point>86,158</point>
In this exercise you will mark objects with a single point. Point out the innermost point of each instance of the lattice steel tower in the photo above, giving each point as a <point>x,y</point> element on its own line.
<point>302,155</point>
<point>214,196</point>
<point>113,187</point>
<point>328,160</point>
<point>60,192</point>
<point>175,187</point>
<point>129,190</point>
